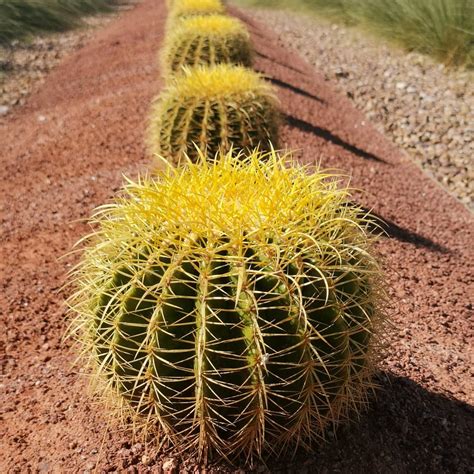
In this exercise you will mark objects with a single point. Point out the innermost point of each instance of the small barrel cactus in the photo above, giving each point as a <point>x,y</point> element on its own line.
<point>206,40</point>
<point>232,306</point>
<point>183,8</point>
<point>211,109</point>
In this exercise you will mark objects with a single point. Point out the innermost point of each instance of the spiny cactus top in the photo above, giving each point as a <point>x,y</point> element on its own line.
<point>206,40</point>
<point>182,8</point>
<point>212,108</point>
<point>232,305</point>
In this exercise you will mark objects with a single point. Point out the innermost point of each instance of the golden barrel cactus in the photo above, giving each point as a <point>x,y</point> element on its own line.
<point>213,109</point>
<point>233,307</point>
<point>206,40</point>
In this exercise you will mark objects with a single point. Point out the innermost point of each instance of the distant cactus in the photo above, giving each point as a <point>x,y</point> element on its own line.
<point>232,306</point>
<point>206,40</point>
<point>182,8</point>
<point>222,106</point>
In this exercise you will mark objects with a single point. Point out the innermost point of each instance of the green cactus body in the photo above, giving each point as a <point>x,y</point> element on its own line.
<point>206,40</point>
<point>232,305</point>
<point>213,109</point>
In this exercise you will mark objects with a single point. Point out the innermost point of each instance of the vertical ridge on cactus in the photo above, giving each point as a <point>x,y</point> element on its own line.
<point>206,40</point>
<point>211,109</point>
<point>232,306</point>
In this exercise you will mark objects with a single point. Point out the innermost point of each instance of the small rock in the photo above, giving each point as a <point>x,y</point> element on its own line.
<point>341,73</point>
<point>170,466</point>
<point>4,110</point>
<point>136,448</point>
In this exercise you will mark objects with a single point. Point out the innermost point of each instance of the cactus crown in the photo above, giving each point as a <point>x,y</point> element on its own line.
<point>219,82</point>
<point>231,305</point>
<point>206,40</point>
<point>220,25</point>
<point>196,7</point>
<point>212,108</point>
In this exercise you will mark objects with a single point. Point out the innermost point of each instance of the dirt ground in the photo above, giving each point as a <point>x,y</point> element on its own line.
<point>65,152</point>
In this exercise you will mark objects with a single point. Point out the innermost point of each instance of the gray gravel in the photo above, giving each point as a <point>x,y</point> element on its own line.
<point>422,107</point>
<point>25,65</point>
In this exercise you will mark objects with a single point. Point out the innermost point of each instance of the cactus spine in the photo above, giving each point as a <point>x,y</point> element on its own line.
<point>232,305</point>
<point>206,40</point>
<point>212,108</point>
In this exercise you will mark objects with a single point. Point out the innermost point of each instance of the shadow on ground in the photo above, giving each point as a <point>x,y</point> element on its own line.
<point>408,429</point>
<point>275,61</point>
<point>394,231</point>
<point>330,137</point>
<point>292,88</point>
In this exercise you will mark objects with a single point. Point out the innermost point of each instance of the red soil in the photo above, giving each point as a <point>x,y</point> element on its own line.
<point>55,170</point>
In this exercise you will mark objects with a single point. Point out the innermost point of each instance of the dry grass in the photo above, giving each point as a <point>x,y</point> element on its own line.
<point>20,19</point>
<point>443,29</point>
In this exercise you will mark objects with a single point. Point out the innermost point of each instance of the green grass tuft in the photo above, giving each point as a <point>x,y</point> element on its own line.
<point>443,29</point>
<point>20,19</point>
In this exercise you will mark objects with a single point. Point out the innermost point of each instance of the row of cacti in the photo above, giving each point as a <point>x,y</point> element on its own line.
<point>213,102</point>
<point>232,303</point>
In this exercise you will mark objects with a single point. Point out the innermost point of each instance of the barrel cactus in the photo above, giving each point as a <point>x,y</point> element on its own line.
<point>232,306</point>
<point>206,40</point>
<point>183,8</point>
<point>213,108</point>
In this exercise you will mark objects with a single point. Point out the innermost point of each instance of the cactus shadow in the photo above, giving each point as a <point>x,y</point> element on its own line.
<point>407,429</point>
<point>330,137</point>
<point>276,61</point>
<point>292,88</point>
<point>394,231</point>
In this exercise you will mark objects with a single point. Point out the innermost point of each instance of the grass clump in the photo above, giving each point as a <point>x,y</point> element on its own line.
<point>20,19</point>
<point>443,29</point>
<point>213,108</point>
<point>206,40</point>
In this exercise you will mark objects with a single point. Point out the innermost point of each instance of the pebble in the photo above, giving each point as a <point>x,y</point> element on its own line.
<point>425,108</point>
<point>170,466</point>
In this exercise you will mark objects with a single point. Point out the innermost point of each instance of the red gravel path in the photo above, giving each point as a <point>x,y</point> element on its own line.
<point>64,153</point>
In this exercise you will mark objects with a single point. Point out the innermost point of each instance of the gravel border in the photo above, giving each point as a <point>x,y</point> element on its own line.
<point>25,65</point>
<point>423,108</point>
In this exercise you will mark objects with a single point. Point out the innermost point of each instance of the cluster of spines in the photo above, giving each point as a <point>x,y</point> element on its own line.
<point>186,8</point>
